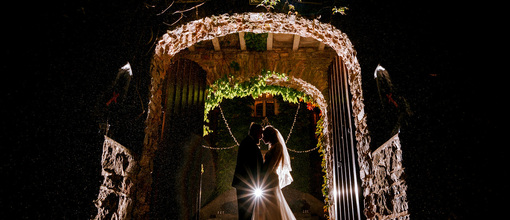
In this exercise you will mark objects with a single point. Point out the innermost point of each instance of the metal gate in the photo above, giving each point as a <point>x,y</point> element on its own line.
<point>176,173</point>
<point>345,197</point>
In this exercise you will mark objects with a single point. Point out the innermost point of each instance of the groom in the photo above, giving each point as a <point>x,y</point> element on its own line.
<point>249,163</point>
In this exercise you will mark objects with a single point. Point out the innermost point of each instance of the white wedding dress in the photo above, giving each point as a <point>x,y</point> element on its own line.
<point>272,205</point>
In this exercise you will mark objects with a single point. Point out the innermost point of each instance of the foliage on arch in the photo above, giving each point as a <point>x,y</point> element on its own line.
<point>228,87</point>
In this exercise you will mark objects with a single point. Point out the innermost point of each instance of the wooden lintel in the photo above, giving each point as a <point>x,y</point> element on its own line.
<point>270,41</point>
<point>216,44</point>
<point>295,45</point>
<point>321,46</point>
<point>241,41</point>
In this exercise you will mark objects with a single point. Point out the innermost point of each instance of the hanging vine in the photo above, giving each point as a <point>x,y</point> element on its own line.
<point>227,87</point>
<point>320,138</point>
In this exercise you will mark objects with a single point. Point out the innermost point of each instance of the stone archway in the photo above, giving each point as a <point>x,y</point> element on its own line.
<point>208,28</point>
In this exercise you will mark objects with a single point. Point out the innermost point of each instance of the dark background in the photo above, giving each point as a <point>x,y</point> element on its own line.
<point>62,58</point>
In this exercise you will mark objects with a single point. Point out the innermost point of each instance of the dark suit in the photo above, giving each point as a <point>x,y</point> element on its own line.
<point>249,163</point>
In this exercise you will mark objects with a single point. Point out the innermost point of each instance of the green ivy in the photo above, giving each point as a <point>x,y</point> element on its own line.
<point>228,88</point>
<point>322,151</point>
<point>235,65</point>
<point>256,42</point>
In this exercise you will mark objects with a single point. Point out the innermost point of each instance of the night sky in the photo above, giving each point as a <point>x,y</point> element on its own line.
<point>63,59</point>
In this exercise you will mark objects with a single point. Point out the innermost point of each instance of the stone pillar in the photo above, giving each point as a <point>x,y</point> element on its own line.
<point>386,196</point>
<point>115,198</point>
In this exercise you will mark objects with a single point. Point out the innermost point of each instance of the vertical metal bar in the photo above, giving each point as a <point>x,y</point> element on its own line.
<point>172,85</point>
<point>348,146</point>
<point>342,138</point>
<point>353,148</point>
<point>338,127</point>
<point>335,145</point>
<point>194,87</point>
<point>338,162</point>
<point>200,192</point>
<point>185,86</point>
<point>178,88</point>
<point>201,92</point>
<point>332,192</point>
<point>341,128</point>
<point>345,181</point>
<point>344,146</point>
<point>163,126</point>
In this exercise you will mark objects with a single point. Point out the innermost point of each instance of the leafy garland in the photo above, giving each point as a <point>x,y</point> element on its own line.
<point>228,88</point>
<point>322,152</point>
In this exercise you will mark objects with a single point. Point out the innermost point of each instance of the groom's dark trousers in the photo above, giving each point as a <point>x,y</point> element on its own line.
<point>249,162</point>
<point>243,204</point>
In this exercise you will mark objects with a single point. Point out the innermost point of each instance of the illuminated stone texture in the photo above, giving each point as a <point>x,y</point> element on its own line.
<point>386,197</point>
<point>119,168</point>
<point>308,64</point>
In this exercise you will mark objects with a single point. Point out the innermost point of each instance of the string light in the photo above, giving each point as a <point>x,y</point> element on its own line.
<point>219,148</point>
<point>237,144</point>
<point>228,127</point>
<point>293,123</point>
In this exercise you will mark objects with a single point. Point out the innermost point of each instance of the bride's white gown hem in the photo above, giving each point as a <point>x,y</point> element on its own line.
<point>272,204</point>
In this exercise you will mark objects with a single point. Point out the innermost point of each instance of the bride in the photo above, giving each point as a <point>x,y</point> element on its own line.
<point>276,167</point>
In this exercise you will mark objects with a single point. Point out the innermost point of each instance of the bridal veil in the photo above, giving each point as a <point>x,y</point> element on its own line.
<point>284,168</point>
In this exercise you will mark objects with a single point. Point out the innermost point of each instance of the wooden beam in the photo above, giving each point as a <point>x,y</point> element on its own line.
<point>216,44</point>
<point>241,41</point>
<point>295,45</point>
<point>270,41</point>
<point>321,46</point>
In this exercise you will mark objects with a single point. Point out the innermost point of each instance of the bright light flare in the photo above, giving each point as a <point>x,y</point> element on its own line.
<point>257,192</point>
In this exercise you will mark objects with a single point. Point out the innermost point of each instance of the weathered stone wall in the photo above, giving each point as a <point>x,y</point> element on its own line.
<point>310,65</point>
<point>115,198</point>
<point>386,197</point>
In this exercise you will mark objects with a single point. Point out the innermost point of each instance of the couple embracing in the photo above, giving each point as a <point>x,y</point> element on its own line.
<point>258,180</point>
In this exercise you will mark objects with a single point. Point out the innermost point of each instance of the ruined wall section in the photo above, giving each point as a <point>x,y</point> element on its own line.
<point>119,168</point>
<point>386,197</point>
